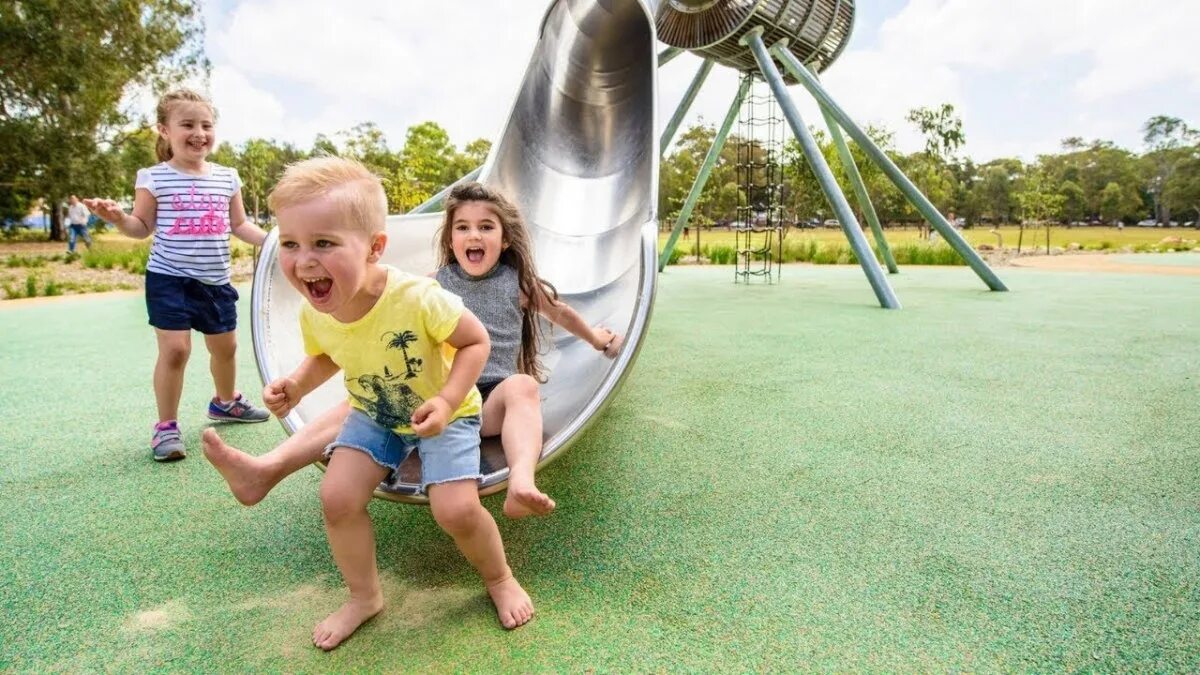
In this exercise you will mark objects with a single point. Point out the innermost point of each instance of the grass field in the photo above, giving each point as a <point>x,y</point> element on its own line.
<point>790,479</point>
<point>1034,238</point>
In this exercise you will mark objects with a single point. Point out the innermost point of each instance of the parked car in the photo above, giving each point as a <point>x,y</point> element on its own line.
<point>832,222</point>
<point>1190,223</point>
<point>1147,223</point>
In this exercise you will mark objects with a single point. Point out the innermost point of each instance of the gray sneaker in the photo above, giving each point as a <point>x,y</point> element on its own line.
<point>240,410</point>
<point>167,445</point>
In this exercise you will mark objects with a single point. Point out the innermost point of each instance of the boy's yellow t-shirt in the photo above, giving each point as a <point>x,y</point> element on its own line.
<point>392,358</point>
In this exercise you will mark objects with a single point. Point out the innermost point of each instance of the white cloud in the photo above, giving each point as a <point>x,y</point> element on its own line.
<point>245,110</point>
<point>394,63</point>
<point>290,69</point>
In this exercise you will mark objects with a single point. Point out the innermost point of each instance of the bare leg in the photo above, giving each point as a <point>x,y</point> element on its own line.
<point>222,353</point>
<point>514,412</point>
<point>457,510</point>
<point>345,492</point>
<point>251,478</point>
<point>174,348</point>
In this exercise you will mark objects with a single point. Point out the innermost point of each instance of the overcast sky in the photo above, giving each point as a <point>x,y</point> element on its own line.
<point>1023,74</point>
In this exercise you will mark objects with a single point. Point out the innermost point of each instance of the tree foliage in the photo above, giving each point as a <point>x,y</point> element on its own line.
<point>67,66</point>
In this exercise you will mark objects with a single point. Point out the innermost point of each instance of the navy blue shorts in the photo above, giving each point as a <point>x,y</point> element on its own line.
<point>183,303</point>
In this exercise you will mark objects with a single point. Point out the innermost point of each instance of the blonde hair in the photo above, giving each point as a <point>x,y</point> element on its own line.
<point>518,255</point>
<point>357,192</point>
<point>162,147</point>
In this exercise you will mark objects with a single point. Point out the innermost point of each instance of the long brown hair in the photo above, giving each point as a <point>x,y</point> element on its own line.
<point>518,255</point>
<point>162,147</point>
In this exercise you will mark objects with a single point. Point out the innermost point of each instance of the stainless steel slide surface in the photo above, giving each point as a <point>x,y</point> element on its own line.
<point>579,155</point>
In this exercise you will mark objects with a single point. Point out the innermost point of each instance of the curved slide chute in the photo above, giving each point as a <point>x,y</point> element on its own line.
<point>579,154</point>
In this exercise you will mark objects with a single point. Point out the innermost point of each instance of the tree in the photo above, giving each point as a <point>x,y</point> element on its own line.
<point>261,163</point>
<point>1073,206</point>
<point>942,128</point>
<point>995,191</point>
<point>679,170</point>
<point>1114,203</point>
<point>1183,187</point>
<point>1040,203</point>
<point>1168,139</point>
<point>66,68</point>
<point>324,147</point>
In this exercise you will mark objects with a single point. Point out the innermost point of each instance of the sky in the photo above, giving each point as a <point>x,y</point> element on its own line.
<point>1022,74</point>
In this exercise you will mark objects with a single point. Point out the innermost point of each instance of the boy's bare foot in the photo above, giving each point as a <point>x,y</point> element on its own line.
<point>524,501</point>
<point>341,624</point>
<point>513,605</point>
<point>245,478</point>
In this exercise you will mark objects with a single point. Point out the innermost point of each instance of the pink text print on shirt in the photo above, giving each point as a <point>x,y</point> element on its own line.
<point>214,220</point>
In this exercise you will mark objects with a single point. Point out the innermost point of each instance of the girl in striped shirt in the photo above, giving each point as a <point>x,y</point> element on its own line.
<point>190,206</point>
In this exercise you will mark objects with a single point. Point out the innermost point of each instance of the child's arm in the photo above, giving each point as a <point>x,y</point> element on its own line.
<point>285,393</point>
<point>139,224</point>
<point>600,338</point>
<point>470,338</point>
<point>242,228</point>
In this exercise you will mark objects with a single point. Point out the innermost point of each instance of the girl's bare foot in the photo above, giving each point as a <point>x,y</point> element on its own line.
<point>523,501</point>
<point>241,471</point>
<point>341,624</point>
<point>513,605</point>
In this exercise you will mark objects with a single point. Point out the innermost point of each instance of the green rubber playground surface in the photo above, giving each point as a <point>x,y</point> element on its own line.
<point>790,479</point>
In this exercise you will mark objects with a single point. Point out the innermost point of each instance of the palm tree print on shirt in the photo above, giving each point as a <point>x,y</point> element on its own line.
<point>401,340</point>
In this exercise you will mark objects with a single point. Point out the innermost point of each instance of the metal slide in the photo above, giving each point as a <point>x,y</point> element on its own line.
<point>579,155</point>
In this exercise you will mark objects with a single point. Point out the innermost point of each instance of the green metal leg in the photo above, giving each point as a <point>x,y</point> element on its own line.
<point>920,201</point>
<point>710,160</point>
<point>860,188</point>
<point>684,105</point>
<point>837,200</point>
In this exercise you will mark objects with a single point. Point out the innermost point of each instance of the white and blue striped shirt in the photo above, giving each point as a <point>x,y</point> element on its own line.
<point>191,232</point>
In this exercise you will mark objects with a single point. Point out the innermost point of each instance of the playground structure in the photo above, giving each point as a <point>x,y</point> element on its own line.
<point>579,156</point>
<point>759,228</point>
<point>806,36</point>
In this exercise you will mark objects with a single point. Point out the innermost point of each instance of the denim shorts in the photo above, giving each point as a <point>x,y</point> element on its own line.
<point>184,303</point>
<point>451,455</point>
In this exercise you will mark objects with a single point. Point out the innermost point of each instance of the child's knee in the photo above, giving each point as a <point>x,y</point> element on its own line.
<point>524,388</point>
<point>223,347</point>
<point>175,355</point>
<point>338,504</point>
<point>458,516</point>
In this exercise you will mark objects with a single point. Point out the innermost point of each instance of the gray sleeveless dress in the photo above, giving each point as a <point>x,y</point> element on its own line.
<point>496,299</point>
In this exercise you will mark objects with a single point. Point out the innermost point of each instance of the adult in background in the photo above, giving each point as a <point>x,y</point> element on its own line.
<point>77,219</point>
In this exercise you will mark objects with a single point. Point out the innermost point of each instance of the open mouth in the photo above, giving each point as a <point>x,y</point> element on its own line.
<point>475,255</point>
<point>318,289</point>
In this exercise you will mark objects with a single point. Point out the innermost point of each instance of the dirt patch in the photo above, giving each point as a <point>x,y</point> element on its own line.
<point>1101,263</point>
<point>72,278</point>
<point>159,618</point>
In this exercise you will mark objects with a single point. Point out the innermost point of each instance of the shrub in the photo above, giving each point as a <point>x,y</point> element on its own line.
<point>926,254</point>
<point>132,259</point>
<point>17,260</point>
<point>11,292</point>
<point>31,286</point>
<point>800,251</point>
<point>24,234</point>
<point>51,288</point>
<point>827,255</point>
<point>721,254</point>
<point>676,254</point>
